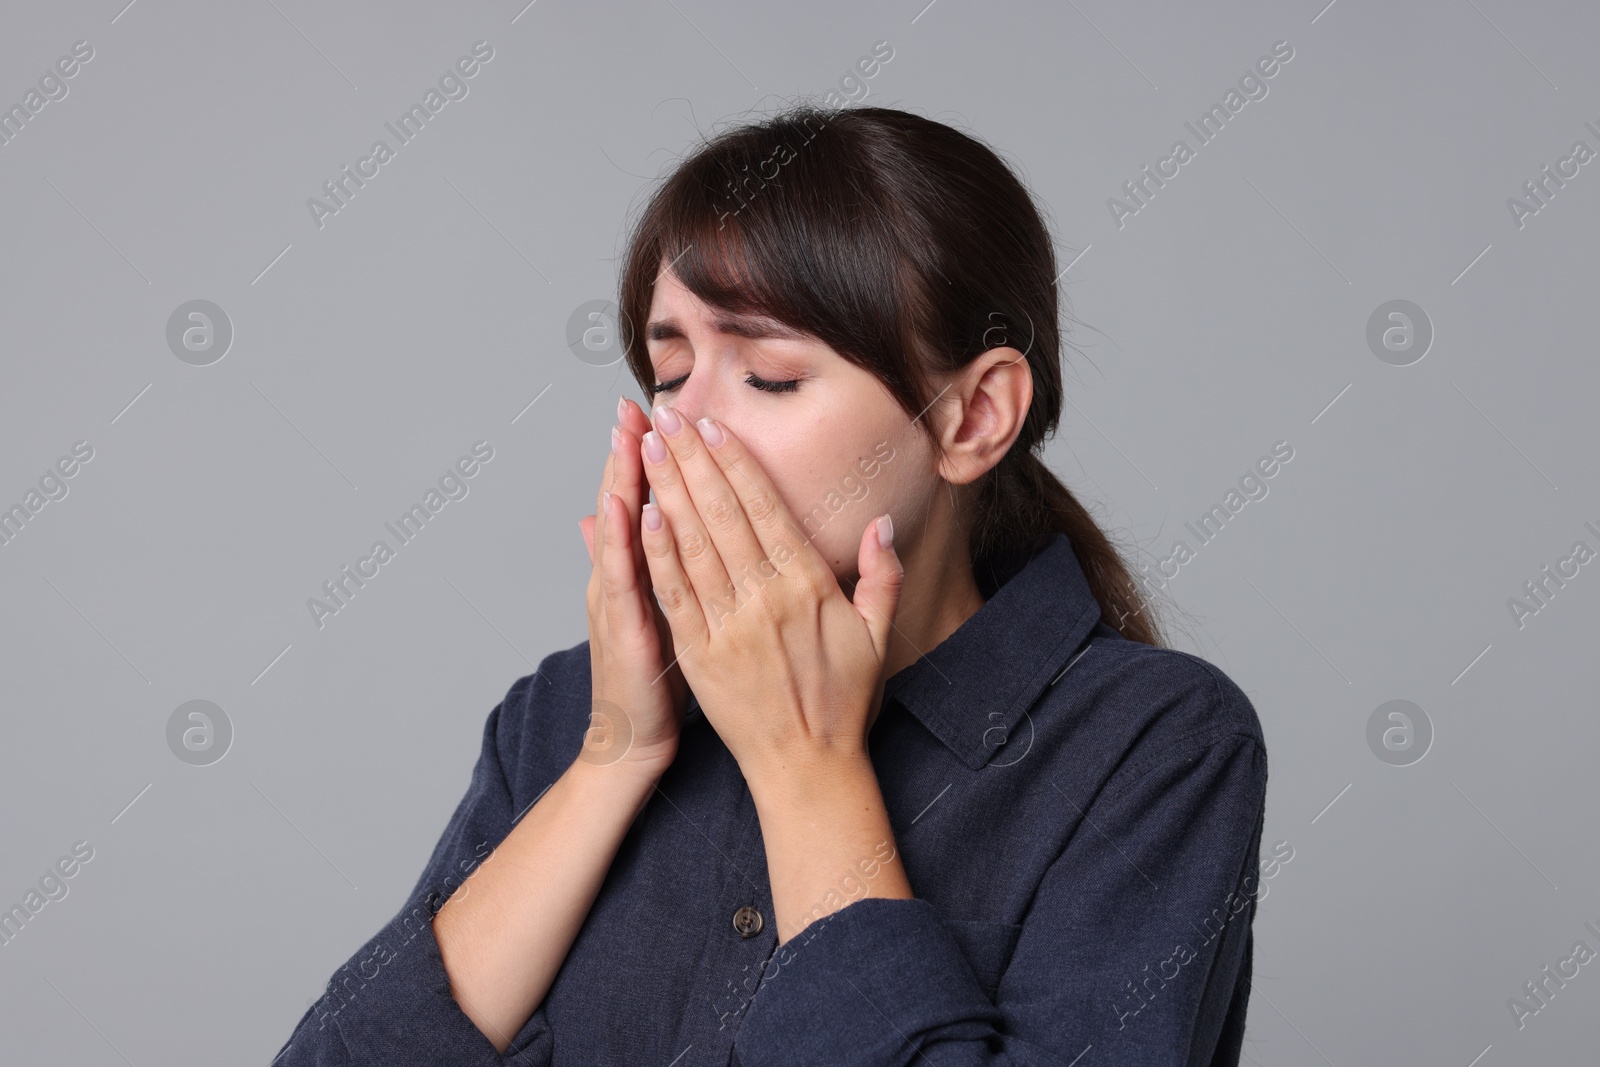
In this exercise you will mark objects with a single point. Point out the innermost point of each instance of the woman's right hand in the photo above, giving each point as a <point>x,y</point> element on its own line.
<point>639,691</point>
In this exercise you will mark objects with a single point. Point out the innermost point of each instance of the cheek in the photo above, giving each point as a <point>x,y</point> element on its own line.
<point>802,479</point>
<point>839,543</point>
<point>793,473</point>
<point>782,460</point>
<point>832,500</point>
<point>815,466</point>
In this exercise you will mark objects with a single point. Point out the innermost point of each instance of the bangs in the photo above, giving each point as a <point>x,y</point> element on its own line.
<point>781,220</point>
<point>719,262</point>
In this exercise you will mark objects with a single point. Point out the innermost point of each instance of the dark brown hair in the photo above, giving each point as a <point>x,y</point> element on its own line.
<point>908,247</point>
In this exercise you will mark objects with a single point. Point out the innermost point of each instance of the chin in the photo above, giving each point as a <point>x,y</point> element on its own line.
<point>848,574</point>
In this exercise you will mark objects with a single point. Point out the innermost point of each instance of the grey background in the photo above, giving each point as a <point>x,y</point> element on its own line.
<point>1228,314</point>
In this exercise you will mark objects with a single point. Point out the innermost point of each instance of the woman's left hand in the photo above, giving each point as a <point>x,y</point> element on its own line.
<point>787,668</point>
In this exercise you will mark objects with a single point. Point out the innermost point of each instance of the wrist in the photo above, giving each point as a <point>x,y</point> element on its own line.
<point>839,780</point>
<point>620,781</point>
<point>627,756</point>
<point>828,841</point>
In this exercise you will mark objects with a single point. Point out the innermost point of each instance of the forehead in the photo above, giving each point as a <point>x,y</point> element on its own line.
<point>676,312</point>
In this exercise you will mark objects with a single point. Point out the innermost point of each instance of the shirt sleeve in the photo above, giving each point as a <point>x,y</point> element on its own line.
<point>1137,944</point>
<point>390,1003</point>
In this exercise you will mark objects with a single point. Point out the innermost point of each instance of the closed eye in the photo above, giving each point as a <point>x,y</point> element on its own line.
<point>750,380</point>
<point>772,387</point>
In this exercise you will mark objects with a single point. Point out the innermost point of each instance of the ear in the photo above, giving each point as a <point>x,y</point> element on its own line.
<point>984,408</point>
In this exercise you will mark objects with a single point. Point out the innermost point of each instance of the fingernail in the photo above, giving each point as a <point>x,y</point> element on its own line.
<point>710,431</point>
<point>668,419</point>
<point>654,448</point>
<point>652,518</point>
<point>616,441</point>
<point>622,408</point>
<point>605,502</point>
<point>885,532</point>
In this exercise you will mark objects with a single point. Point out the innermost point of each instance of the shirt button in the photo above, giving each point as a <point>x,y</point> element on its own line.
<point>747,921</point>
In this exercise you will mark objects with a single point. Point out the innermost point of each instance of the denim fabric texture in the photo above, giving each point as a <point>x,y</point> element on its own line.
<point>1079,816</point>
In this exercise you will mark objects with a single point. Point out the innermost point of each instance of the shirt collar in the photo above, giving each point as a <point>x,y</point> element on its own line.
<point>981,678</point>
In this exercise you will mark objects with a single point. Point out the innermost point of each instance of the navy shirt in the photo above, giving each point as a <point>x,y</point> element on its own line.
<point>1079,816</point>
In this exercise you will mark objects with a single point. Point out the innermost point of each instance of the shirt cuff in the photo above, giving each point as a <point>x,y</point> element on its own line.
<point>392,1005</point>
<point>862,986</point>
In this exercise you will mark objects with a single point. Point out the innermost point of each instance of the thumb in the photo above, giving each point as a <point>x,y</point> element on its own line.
<point>877,594</point>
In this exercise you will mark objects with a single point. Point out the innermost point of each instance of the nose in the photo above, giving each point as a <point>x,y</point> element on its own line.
<point>688,401</point>
<point>683,414</point>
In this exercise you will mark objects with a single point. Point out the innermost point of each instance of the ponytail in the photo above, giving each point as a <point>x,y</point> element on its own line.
<point>1022,505</point>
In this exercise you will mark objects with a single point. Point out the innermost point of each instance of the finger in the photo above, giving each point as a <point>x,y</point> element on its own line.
<point>627,474</point>
<point>778,535</point>
<point>630,480</point>
<point>607,476</point>
<point>877,594</point>
<point>695,551</point>
<point>720,508</point>
<point>635,423</point>
<point>586,527</point>
<point>619,581</point>
<point>632,417</point>
<point>680,605</point>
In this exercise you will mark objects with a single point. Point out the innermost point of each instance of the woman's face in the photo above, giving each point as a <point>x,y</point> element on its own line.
<point>835,444</point>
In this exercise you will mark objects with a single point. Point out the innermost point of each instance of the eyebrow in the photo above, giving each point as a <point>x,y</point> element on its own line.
<point>753,328</point>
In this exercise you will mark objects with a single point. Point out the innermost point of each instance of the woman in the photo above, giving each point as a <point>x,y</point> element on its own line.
<point>874,754</point>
